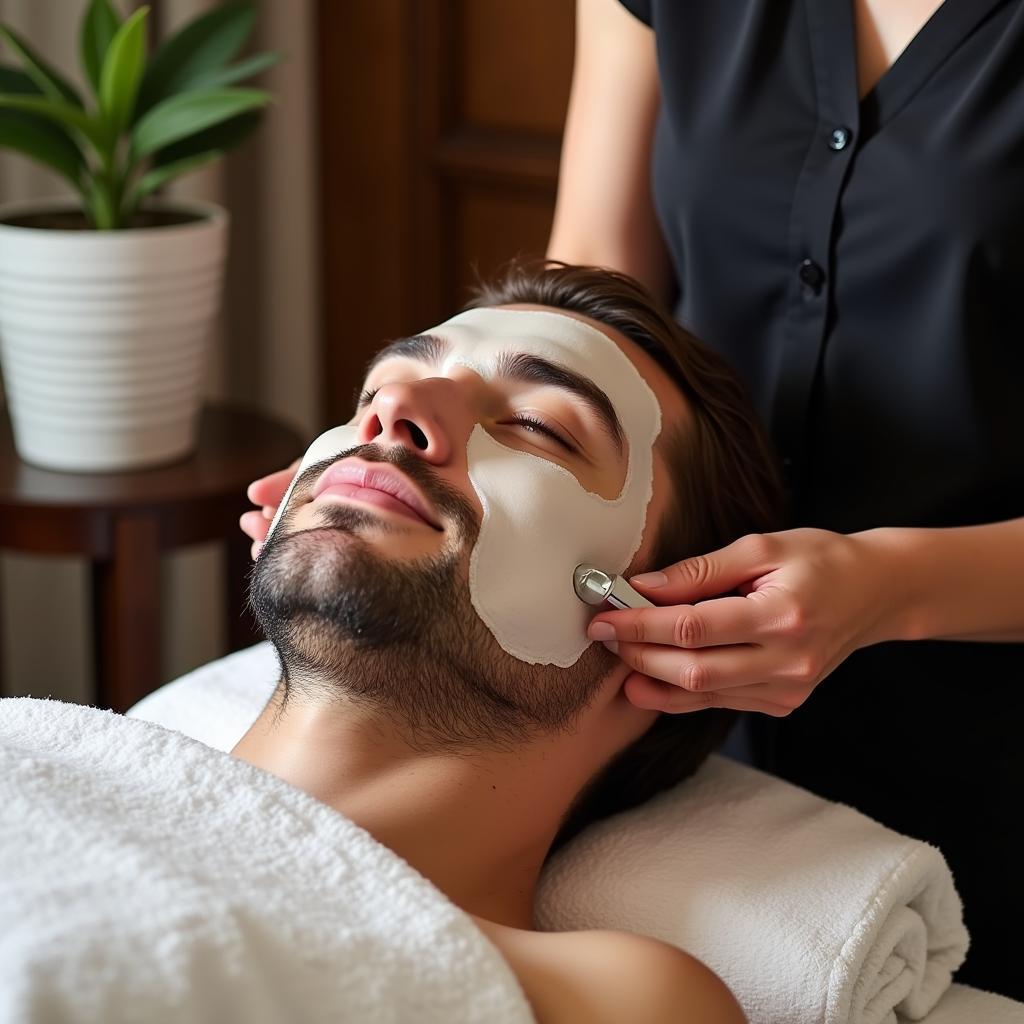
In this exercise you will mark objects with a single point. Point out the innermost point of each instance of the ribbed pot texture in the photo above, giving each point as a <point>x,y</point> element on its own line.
<point>104,337</point>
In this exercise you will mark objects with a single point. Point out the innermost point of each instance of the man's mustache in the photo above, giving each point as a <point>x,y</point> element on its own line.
<point>446,499</point>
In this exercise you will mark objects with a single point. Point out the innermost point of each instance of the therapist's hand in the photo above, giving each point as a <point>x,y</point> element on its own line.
<point>799,602</point>
<point>268,493</point>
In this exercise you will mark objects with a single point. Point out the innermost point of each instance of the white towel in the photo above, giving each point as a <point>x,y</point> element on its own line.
<point>217,702</point>
<point>147,877</point>
<point>965,1005</point>
<point>808,910</point>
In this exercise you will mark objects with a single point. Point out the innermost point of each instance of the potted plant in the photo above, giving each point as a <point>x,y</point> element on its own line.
<point>107,300</point>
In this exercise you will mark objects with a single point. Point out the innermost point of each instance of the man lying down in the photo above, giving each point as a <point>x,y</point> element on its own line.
<point>438,686</point>
<point>437,689</point>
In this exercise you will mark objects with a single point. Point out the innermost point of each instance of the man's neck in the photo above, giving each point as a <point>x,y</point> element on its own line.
<point>478,825</point>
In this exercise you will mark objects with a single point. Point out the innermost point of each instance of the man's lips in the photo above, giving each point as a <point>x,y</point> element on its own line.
<point>376,483</point>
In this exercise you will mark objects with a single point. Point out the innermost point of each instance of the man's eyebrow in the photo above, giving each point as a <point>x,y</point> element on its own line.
<point>537,370</point>
<point>427,348</point>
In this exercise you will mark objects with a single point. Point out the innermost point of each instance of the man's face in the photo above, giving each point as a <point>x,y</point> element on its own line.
<point>366,576</point>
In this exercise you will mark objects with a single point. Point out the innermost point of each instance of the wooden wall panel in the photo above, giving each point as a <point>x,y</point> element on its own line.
<point>440,128</point>
<point>365,151</point>
<point>512,66</point>
<point>480,219</point>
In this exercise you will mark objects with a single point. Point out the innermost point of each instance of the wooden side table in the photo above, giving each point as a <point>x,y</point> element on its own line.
<point>122,522</point>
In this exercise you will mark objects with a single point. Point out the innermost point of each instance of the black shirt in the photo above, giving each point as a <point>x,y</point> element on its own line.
<point>861,264</point>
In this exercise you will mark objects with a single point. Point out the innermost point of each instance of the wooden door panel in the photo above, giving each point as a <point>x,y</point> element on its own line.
<point>440,128</point>
<point>511,66</point>
<point>484,218</point>
<point>363,82</point>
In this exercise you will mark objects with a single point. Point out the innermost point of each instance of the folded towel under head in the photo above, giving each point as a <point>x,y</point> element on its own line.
<point>809,910</point>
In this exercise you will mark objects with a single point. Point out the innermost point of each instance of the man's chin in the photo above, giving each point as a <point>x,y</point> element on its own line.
<point>358,582</point>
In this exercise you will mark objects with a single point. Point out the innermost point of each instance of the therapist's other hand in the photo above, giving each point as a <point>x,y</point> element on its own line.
<point>798,603</point>
<point>267,492</point>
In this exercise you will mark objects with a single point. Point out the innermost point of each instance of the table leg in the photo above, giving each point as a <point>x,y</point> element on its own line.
<point>242,628</point>
<point>126,613</point>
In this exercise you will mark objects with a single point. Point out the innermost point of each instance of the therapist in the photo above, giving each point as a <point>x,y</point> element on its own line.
<point>831,194</point>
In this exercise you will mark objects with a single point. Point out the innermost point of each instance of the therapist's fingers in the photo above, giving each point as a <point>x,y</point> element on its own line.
<point>712,668</point>
<point>718,572</point>
<point>270,490</point>
<point>255,525</point>
<point>725,620</point>
<point>777,700</point>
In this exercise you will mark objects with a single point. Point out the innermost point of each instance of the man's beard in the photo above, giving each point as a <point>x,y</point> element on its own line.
<point>403,637</point>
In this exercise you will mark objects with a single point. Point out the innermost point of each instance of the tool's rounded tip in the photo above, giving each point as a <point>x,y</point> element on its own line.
<point>590,583</point>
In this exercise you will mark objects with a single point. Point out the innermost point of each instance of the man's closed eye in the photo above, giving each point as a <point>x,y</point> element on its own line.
<point>531,424</point>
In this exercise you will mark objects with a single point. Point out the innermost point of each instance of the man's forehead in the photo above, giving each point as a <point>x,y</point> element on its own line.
<point>508,352</point>
<point>674,406</point>
<point>549,326</point>
<point>558,329</point>
<point>489,328</point>
<point>480,337</point>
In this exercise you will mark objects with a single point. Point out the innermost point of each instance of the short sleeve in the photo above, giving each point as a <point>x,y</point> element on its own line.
<point>639,9</point>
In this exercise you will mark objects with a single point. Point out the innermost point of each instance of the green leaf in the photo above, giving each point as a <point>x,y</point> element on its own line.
<point>49,80</point>
<point>14,81</point>
<point>122,71</point>
<point>222,137</point>
<point>60,113</point>
<point>202,46</point>
<point>43,142</point>
<point>158,176</point>
<point>99,26</point>
<point>180,116</point>
<point>236,72</point>
<point>34,136</point>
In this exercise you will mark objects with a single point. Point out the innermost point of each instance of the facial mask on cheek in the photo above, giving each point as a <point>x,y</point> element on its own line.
<point>539,522</point>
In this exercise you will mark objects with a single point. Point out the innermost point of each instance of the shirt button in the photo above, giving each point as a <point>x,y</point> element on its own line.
<point>840,138</point>
<point>812,275</point>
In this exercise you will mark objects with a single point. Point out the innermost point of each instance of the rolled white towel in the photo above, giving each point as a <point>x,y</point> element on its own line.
<point>807,909</point>
<point>965,1005</point>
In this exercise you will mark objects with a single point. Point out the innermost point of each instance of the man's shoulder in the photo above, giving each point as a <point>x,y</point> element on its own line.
<point>606,977</point>
<point>641,979</point>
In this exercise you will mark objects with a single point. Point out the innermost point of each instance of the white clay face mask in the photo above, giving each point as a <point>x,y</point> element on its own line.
<point>539,522</point>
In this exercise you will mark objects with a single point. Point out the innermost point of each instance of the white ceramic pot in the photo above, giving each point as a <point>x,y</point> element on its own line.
<point>104,336</point>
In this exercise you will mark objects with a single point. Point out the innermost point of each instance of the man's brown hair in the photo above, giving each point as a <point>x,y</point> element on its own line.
<point>726,484</point>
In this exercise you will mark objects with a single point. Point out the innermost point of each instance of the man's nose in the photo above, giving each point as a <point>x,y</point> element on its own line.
<point>429,417</point>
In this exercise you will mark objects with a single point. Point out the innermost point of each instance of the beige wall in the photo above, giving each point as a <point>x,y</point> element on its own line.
<point>265,353</point>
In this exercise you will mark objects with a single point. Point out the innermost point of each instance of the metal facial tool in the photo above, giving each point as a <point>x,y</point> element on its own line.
<point>593,586</point>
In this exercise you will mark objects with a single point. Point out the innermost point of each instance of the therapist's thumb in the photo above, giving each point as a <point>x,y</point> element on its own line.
<point>718,572</point>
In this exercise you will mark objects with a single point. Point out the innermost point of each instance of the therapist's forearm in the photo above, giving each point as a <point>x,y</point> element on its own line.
<point>956,583</point>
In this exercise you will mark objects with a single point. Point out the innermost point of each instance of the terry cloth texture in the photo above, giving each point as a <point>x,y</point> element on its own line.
<point>145,876</point>
<point>801,905</point>
<point>808,910</point>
